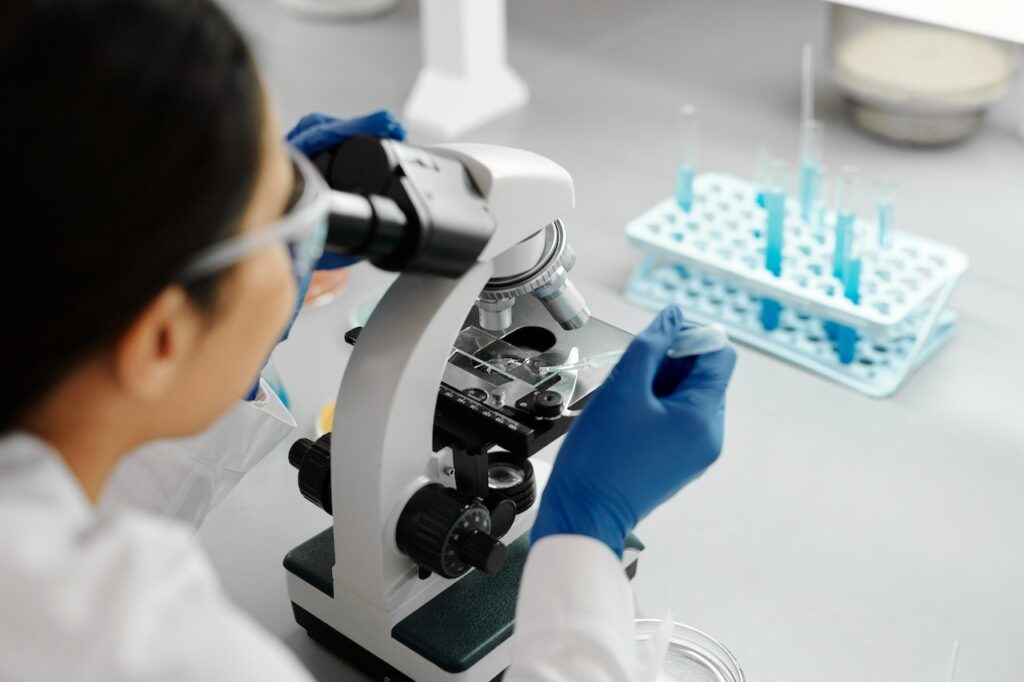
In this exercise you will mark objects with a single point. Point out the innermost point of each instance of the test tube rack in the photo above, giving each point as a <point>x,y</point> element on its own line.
<point>711,261</point>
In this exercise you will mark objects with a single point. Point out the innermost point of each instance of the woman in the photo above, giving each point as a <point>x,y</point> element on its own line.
<point>171,225</point>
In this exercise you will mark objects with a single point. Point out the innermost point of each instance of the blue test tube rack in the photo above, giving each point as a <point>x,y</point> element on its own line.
<point>869,325</point>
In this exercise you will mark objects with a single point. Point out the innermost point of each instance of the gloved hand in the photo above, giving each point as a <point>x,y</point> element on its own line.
<point>315,133</point>
<point>653,426</point>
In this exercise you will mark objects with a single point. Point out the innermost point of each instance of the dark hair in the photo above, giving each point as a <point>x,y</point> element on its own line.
<point>131,132</point>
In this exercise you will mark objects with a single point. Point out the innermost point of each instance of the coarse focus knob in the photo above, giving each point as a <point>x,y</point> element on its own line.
<point>483,551</point>
<point>448,533</point>
<point>313,460</point>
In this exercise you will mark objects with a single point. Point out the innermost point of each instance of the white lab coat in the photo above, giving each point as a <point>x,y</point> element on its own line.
<point>121,594</point>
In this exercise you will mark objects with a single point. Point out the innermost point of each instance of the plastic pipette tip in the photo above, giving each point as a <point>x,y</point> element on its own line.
<point>690,342</point>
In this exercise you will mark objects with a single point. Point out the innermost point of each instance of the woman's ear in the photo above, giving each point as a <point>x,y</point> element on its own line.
<point>152,353</point>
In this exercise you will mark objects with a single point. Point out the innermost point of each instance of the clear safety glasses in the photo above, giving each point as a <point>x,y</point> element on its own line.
<point>303,229</point>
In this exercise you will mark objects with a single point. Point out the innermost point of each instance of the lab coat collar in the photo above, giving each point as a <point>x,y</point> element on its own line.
<point>38,471</point>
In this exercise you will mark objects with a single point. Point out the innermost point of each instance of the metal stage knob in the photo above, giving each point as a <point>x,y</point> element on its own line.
<point>448,533</point>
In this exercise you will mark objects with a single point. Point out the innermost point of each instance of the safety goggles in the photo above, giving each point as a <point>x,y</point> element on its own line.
<point>303,229</point>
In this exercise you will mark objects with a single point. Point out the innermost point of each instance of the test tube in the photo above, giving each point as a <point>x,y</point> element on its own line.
<point>687,171</point>
<point>812,136</point>
<point>847,336</point>
<point>761,173</point>
<point>819,217</point>
<point>775,209</point>
<point>845,198</point>
<point>884,211</point>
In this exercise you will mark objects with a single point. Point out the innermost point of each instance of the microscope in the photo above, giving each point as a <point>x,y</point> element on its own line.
<point>446,397</point>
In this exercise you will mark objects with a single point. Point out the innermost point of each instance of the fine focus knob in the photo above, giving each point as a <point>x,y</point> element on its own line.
<point>313,460</point>
<point>482,551</point>
<point>448,533</point>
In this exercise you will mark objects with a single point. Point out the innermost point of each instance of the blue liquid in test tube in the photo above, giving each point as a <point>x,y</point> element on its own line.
<point>810,187</point>
<point>775,205</point>
<point>884,223</point>
<point>884,212</point>
<point>812,134</point>
<point>684,186</point>
<point>844,234</point>
<point>847,336</point>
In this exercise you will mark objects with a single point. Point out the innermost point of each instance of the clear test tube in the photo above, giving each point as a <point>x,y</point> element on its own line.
<point>779,181</point>
<point>847,189</point>
<point>762,165</point>
<point>826,189</point>
<point>812,140</point>
<point>885,194</point>
<point>689,132</point>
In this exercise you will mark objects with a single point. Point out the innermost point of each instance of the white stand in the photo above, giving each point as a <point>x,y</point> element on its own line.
<point>466,79</point>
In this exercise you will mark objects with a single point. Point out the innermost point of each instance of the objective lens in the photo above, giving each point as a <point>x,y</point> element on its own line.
<point>565,304</point>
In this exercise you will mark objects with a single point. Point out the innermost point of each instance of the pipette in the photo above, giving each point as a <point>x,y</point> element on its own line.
<point>690,342</point>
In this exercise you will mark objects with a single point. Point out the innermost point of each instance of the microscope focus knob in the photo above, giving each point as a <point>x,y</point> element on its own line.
<point>448,533</point>
<point>313,460</point>
<point>483,551</point>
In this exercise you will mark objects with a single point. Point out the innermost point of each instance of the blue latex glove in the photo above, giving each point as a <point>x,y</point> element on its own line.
<point>316,133</point>
<point>653,426</point>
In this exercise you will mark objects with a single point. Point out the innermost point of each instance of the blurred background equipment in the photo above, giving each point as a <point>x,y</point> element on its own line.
<point>916,82</point>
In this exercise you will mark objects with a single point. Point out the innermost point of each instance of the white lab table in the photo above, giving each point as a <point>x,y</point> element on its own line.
<point>839,538</point>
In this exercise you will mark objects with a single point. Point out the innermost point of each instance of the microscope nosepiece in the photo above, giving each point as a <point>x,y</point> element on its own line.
<point>547,280</point>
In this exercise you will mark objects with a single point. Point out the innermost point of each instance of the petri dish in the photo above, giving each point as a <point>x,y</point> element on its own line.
<point>692,656</point>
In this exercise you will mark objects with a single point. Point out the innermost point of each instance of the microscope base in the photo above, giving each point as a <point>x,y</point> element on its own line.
<point>332,640</point>
<point>461,635</point>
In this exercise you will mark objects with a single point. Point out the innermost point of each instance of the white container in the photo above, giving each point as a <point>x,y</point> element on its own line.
<point>913,82</point>
<point>692,656</point>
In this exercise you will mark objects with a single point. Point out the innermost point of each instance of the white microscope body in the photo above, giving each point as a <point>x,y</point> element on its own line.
<point>381,449</point>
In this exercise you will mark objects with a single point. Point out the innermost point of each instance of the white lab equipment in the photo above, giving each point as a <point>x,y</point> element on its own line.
<point>465,79</point>
<point>414,513</point>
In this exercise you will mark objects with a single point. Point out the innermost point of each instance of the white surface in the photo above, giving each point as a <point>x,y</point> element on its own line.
<point>997,18</point>
<point>839,538</point>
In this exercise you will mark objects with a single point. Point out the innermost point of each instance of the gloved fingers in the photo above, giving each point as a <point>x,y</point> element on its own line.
<point>316,132</point>
<point>710,374</point>
<point>639,364</point>
<point>308,121</point>
<point>670,374</point>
